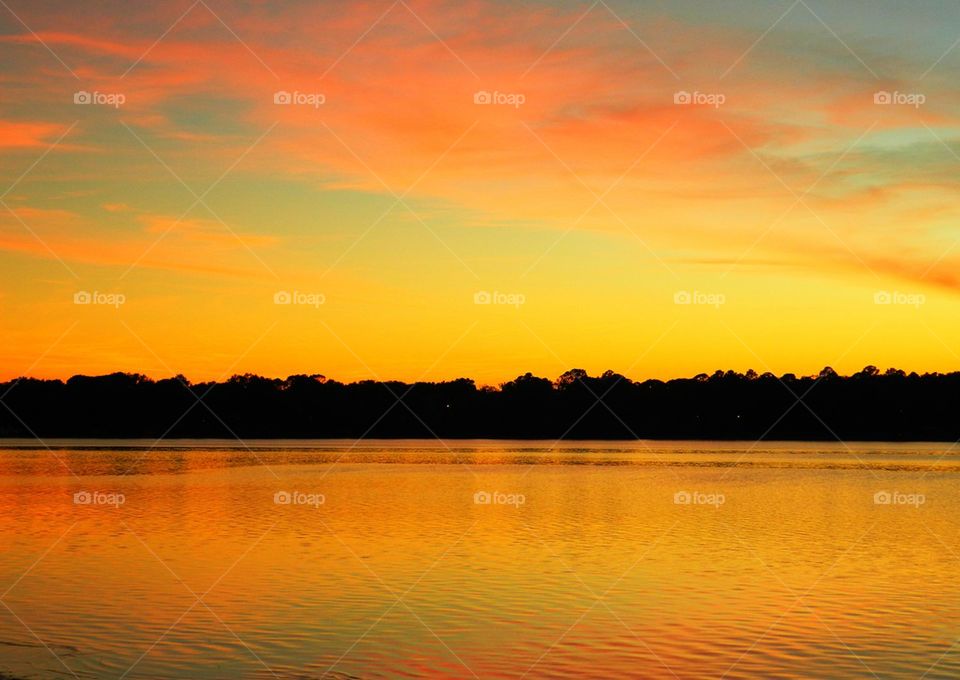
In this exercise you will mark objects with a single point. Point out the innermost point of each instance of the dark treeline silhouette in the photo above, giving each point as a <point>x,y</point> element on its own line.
<point>869,405</point>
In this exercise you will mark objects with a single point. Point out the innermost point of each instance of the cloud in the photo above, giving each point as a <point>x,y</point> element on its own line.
<point>19,135</point>
<point>191,245</point>
<point>206,231</point>
<point>399,114</point>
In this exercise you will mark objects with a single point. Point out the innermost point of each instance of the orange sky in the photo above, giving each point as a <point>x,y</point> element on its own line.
<point>786,218</point>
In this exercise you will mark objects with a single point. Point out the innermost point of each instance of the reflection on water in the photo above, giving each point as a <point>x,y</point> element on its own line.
<point>312,559</point>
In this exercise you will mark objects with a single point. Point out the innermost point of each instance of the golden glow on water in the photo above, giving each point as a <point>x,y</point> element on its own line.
<point>783,566</point>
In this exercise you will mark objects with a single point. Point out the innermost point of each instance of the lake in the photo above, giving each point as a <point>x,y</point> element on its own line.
<point>469,559</point>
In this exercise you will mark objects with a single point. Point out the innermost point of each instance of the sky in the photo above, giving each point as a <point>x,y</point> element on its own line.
<point>422,190</point>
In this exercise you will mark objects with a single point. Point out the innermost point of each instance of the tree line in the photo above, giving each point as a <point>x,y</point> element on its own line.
<point>868,405</point>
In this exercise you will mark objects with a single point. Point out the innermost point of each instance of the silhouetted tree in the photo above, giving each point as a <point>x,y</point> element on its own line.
<point>871,404</point>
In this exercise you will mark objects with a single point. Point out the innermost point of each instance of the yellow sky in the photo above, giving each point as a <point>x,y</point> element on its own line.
<point>660,192</point>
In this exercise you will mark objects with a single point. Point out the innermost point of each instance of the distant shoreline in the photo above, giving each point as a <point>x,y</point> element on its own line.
<point>278,443</point>
<point>869,406</point>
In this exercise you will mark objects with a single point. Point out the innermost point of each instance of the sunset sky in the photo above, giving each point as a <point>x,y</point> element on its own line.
<point>806,220</point>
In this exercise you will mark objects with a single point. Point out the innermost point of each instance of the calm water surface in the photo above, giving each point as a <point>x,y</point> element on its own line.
<point>594,559</point>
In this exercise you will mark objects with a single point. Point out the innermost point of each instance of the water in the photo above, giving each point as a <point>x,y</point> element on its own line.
<point>587,562</point>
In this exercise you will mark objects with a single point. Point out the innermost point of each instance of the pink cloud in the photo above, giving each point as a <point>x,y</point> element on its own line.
<point>400,99</point>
